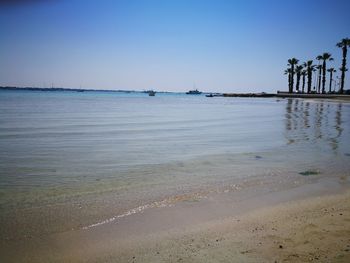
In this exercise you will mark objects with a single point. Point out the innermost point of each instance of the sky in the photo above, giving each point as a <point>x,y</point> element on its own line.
<point>216,45</point>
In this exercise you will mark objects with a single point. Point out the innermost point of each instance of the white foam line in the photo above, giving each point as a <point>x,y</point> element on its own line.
<point>139,209</point>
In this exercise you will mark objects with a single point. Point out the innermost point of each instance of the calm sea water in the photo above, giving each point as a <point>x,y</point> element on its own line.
<point>97,150</point>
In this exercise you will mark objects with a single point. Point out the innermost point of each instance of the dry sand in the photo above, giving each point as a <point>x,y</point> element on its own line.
<point>314,229</point>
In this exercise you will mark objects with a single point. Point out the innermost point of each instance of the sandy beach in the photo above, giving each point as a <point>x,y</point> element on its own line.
<point>313,229</point>
<point>310,222</point>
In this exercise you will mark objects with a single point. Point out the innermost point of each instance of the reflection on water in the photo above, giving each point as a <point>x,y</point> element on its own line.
<point>318,122</point>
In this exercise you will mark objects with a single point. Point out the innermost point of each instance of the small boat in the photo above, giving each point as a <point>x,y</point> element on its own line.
<point>194,92</point>
<point>210,95</point>
<point>151,93</point>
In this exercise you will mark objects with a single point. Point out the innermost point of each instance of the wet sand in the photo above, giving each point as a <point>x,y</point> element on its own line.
<point>310,222</point>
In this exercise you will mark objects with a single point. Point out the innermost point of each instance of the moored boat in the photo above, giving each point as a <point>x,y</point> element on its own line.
<point>194,92</point>
<point>151,93</point>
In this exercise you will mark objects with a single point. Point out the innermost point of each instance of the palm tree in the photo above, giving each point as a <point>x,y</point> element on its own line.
<point>309,68</point>
<point>331,70</point>
<point>325,56</point>
<point>292,62</point>
<point>298,71</point>
<point>343,44</point>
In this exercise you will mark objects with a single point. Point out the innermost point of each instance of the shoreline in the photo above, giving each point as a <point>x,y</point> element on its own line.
<point>217,226</point>
<point>341,97</point>
<point>279,94</point>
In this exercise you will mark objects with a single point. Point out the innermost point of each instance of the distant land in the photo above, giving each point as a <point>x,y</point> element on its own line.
<point>212,94</point>
<point>76,90</point>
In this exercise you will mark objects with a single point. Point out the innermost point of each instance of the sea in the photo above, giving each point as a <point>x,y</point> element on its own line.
<point>74,160</point>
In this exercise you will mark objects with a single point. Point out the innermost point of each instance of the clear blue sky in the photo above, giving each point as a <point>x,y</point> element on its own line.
<point>221,46</point>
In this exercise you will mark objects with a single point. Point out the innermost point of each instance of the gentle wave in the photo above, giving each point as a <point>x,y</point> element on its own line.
<point>139,209</point>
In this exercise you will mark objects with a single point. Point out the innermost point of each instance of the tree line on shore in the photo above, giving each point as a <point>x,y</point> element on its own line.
<point>306,69</point>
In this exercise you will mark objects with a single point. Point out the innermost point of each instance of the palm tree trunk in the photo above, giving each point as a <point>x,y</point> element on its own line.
<point>298,82</point>
<point>324,77</point>
<point>303,83</point>
<point>319,80</point>
<point>343,68</point>
<point>291,79</point>
<point>309,80</point>
<point>330,81</point>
